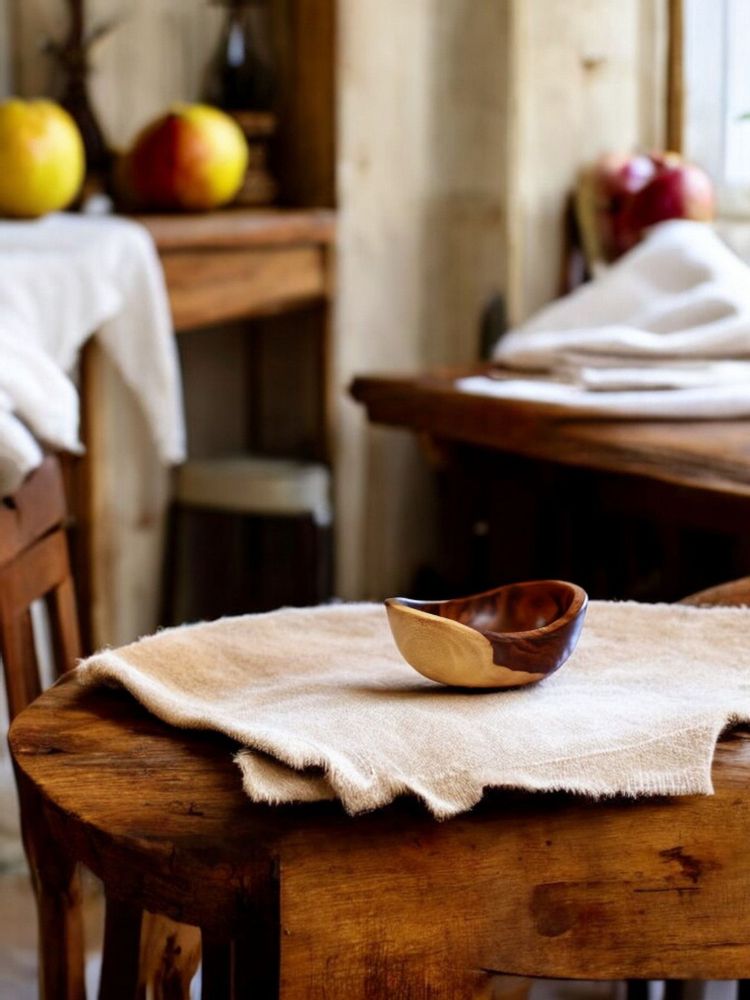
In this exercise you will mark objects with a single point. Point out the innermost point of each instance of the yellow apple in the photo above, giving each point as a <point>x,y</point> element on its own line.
<point>192,158</point>
<point>42,161</point>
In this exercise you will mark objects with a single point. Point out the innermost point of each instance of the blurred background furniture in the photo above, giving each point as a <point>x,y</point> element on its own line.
<point>444,200</point>
<point>271,268</point>
<point>259,531</point>
<point>250,290</point>
<point>251,530</point>
<point>639,509</point>
<point>546,885</point>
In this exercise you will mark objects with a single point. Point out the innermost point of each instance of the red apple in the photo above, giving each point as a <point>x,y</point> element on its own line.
<point>192,158</point>
<point>619,196</point>
<point>620,174</point>
<point>602,192</point>
<point>679,190</point>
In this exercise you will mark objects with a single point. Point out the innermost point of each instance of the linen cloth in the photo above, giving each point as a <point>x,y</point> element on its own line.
<point>324,706</point>
<point>63,278</point>
<point>662,333</point>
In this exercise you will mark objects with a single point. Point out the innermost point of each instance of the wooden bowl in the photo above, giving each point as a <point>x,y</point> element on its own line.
<point>507,637</point>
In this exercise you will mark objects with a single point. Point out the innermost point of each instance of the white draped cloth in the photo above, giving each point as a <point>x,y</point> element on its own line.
<point>662,333</point>
<point>62,279</point>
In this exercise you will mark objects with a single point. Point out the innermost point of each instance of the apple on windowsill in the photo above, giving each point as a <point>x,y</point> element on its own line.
<point>619,196</point>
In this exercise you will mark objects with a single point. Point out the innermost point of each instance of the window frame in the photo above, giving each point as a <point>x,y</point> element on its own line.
<point>716,93</point>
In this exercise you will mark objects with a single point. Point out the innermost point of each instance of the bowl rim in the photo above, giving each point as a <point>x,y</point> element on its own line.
<point>577,605</point>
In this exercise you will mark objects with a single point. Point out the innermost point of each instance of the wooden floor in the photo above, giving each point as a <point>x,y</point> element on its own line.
<point>18,955</point>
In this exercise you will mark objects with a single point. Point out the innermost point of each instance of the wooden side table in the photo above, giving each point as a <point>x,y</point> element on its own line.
<point>304,902</point>
<point>237,264</point>
<point>568,484</point>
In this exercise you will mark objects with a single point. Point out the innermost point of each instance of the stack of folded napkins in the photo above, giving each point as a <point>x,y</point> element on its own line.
<point>664,332</point>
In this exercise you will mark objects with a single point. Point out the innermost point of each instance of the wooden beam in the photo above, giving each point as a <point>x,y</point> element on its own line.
<point>675,132</point>
<point>305,160</point>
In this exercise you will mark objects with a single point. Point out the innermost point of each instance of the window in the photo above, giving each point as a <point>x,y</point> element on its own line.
<point>717,96</point>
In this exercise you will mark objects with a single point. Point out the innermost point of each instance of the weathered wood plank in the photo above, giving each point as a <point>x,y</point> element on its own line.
<point>423,156</point>
<point>562,889</point>
<point>586,78</point>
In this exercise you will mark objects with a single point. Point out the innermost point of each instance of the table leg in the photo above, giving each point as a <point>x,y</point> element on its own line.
<point>121,951</point>
<point>58,900</point>
<point>57,888</point>
<point>120,509</point>
<point>216,970</point>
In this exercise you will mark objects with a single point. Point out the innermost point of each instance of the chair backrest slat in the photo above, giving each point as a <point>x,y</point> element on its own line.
<point>63,616</point>
<point>37,508</point>
<point>34,573</point>
<point>35,565</point>
<point>19,661</point>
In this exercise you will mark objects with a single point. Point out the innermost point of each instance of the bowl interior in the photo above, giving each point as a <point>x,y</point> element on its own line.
<point>517,607</point>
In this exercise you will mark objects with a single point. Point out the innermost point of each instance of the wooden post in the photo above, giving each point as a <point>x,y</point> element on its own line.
<point>675,132</point>
<point>306,142</point>
<point>119,506</point>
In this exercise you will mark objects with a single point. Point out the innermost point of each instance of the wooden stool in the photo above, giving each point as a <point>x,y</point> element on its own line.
<point>305,902</point>
<point>248,533</point>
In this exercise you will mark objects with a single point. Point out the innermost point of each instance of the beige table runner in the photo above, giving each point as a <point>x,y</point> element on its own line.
<point>325,706</point>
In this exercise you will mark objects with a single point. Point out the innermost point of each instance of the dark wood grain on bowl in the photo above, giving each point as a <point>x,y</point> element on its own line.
<point>517,607</point>
<point>529,628</point>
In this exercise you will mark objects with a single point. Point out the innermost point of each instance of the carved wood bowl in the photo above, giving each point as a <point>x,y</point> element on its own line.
<point>514,635</point>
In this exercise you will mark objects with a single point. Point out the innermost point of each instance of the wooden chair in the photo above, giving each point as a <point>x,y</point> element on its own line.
<point>34,565</point>
<point>305,902</point>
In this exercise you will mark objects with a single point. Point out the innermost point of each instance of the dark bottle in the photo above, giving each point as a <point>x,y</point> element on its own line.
<point>72,55</point>
<point>242,73</point>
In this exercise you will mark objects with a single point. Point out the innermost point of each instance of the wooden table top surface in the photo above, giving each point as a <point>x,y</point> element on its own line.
<point>708,454</point>
<point>160,815</point>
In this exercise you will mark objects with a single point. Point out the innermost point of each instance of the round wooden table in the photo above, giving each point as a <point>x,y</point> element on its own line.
<point>318,904</point>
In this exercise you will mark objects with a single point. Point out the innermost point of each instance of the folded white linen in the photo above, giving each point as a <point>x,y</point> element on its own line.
<point>655,335</point>
<point>721,402</point>
<point>668,375</point>
<point>62,279</point>
<point>324,706</point>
